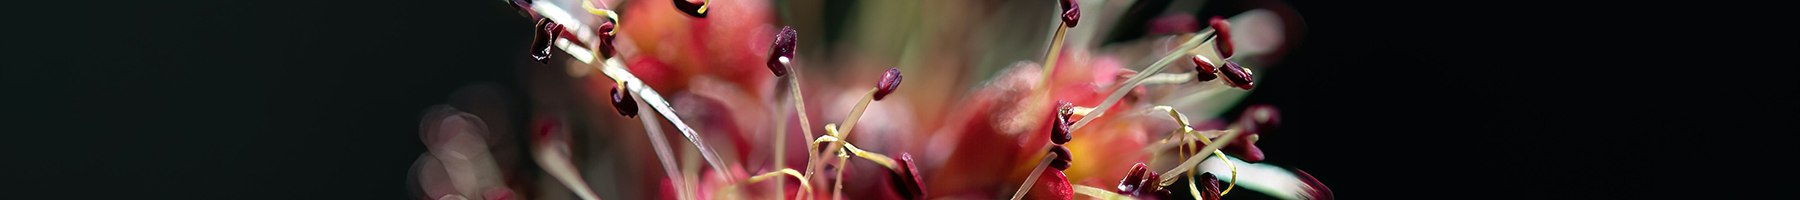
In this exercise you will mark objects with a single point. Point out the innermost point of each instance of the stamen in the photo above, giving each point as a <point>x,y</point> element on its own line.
<point>663,152</point>
<point>1224,32</point>
<point>551,153</point>
<point>1236,76</point>
<point>1191,161</point>
<point>1125,87</point>
<point>890,81</point>
<point>1083,111</point>
<point>615,68</point>
<point>1035,171</point>
<point>782,50</point>
<point>623,102</point>
<point>1187,130</point>
<point>1071,13</point>
<point>1059,130</point>
<point>843,165</point>
<point>779,54</point>
<point>1203,69</point>
<point>547,32</point>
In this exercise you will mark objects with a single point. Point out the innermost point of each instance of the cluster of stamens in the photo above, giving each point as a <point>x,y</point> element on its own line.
<point>1235,76</point>
<point>1141,182</point>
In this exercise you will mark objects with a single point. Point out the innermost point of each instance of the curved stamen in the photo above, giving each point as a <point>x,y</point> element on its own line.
<point>615,68</point>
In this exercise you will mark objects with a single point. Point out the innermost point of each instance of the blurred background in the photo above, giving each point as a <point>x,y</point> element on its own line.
<point>322,99</point>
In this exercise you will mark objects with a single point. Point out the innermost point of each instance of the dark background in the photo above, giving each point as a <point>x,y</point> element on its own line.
<point>321,99</point>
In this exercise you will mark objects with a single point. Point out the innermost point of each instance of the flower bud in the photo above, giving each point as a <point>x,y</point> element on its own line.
<point>890,81</point>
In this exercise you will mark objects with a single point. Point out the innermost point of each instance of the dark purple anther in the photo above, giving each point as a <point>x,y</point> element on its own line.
<point>1204,71</point>
<point>1133,179</point>
<point>621,100</point>
<point>783,48</point>
<point>906,180</point>
<point>691,8</point>
<point>1209,186</point>
<point>1236,76</point>
<point>1223,42</point>
<point>1062,157</point>
<point>547,32</point>
<point>1071,13</point>
<point>1059,130</point>
<point>890,81</point>
<point>606,40</point>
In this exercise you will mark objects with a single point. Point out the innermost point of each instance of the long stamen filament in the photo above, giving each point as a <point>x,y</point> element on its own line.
<point>1035,171</point>
<point>843,165</point>
<point>800,109</point>
<point>614,68</point>
<point>1187,131</point>
<point>1221,155</point>
<point>663,152</point>
<point>1126,86</point>
<point>554,158</point>
<point>856,113</point>
<point>1050,58</point>
<point>1191,161</point>
<point>780,150</point>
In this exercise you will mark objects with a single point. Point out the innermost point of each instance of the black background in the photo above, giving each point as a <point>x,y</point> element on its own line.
<point>320,99</point>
